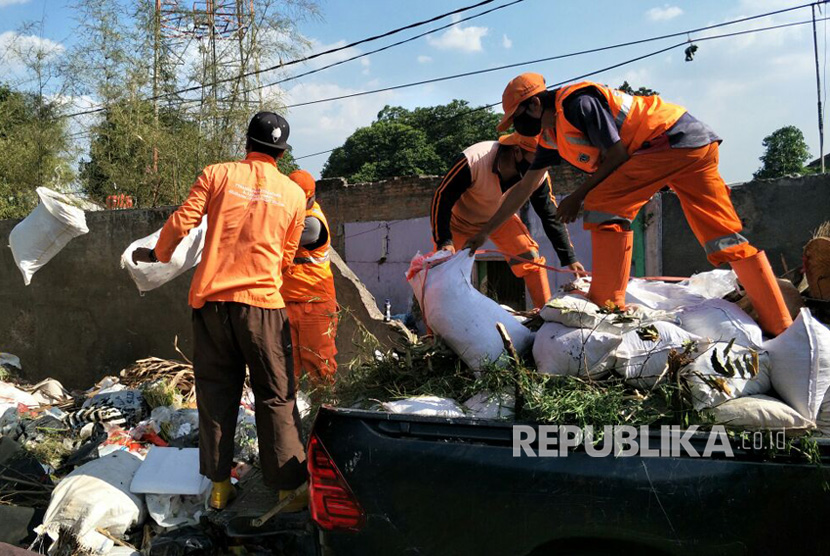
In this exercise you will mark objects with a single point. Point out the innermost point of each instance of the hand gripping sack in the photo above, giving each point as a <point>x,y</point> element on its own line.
<point>188,254</point>
<point>559,350</point>
<point>464,317</point>
<point>800,358</point>
<point>41,235</point>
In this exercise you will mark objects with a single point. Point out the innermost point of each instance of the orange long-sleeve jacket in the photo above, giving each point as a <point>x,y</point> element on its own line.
<point>255,218</point>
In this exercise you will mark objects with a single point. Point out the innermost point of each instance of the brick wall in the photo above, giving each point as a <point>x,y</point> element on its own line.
<point>397,199</point>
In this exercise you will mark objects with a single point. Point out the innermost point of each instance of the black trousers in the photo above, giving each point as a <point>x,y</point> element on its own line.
<point>227,337</point>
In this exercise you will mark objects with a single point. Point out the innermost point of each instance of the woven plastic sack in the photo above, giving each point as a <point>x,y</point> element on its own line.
<point>464,317</point>
<point>559,350</point>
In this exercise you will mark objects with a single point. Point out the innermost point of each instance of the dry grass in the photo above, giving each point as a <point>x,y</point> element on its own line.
<point>823,230</point>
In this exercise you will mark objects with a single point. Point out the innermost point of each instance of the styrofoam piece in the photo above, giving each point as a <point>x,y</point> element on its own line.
<point>170,471</point>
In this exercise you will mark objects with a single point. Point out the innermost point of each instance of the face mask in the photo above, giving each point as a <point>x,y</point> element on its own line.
<point>527,125</point>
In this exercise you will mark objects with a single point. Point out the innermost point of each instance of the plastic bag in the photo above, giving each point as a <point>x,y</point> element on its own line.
<point>171,510</point>
<point>464,317</point>
<point>559,350</point>
<point>150,276</point>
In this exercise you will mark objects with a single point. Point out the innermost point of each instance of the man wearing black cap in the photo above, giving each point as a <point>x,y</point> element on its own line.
<point>255,218</point>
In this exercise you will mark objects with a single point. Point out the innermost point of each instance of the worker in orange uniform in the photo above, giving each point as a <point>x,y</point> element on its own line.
<point>308,290</point>
<point>471,192</point>
<point>255,218</point>
<point>632,146</point>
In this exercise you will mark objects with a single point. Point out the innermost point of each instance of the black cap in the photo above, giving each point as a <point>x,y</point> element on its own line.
<point>269,129</point>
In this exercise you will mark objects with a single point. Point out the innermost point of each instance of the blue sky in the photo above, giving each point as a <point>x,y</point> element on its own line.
<point>744,87</point>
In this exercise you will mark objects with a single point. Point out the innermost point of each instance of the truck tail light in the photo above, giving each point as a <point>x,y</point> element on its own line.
<point>334,506</point>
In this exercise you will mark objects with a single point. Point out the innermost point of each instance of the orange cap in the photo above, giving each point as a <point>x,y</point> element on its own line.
<point>304,180</point>
<point>527,143</point>
<point>516,92</point>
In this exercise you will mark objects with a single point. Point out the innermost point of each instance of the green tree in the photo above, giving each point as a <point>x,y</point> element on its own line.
<point>785,154</point>
<point>404,142</point>
<point>640,92</point>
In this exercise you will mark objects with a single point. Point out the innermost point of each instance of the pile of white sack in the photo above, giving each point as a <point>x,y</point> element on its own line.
<point>735,374</point>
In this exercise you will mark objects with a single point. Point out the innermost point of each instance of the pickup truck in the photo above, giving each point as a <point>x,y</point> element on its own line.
<point>389,484</point>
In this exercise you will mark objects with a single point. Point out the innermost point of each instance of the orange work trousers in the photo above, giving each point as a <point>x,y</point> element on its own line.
<point>694,177</point>
<point>313,333</point>
<point>512,237</point>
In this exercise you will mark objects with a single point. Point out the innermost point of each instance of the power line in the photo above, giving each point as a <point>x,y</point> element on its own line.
<point>558,57</point>
<point>637,59</point>
<point>282,65</point>
<point>307,58</point>
<point>364,54</point>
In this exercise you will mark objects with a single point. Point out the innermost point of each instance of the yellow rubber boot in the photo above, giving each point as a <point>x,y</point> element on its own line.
<point>222,493</point>
<point>299,503</point>
<point>756,276</point>
<point>538,287</point>
<point>610,266</point>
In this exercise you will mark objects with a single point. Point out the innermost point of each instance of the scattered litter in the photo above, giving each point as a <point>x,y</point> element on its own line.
<point>185,541</point>
<point>246,447</point>
<point>41,235</point>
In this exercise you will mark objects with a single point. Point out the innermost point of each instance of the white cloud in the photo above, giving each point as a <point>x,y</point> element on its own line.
<point>465,39</point>
<point>424,59</point>
<point>17,51</point>
<point>4,3</point>
<point>324,126</point>
<point>506,42</point>
<point>665,13</point>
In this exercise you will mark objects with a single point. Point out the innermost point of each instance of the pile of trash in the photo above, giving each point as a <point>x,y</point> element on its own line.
<point>111,470</point>
<point>680,353</point>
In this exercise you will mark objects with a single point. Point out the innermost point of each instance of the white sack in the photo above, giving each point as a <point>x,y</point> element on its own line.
<point>643,361</point>
<point>720,321</point>
<point>96,495</point>
<point>464,317</point>
<point>559,350</point>
<point>486,405</point>
<point>430,406</point>
<point>800,358</point>
<point>41,235</point>
<point>759,412</point>
<point>149,276</point>
<point>7,359</point>
<point>577,311</point>
<point>711,387</point>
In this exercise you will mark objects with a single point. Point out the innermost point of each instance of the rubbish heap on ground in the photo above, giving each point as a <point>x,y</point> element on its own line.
<point>112,470</point>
